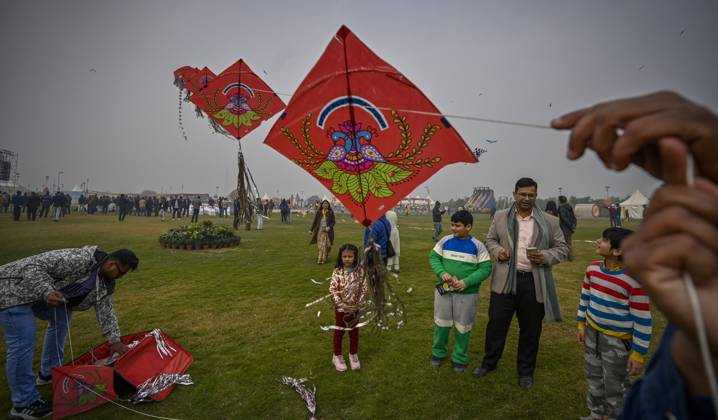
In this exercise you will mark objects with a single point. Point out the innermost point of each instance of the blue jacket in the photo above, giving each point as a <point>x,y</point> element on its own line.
<point>379,231</point>
<point>661,391</point>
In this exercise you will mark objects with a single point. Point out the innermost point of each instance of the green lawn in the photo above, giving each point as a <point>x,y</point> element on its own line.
<point>240,312</point>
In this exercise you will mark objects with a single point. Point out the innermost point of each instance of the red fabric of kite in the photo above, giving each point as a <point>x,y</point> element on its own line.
<point>193,79</point>
<point>74,382</point>
<point>364,130</point>
<point>72,388</point>
<point>237,99</point>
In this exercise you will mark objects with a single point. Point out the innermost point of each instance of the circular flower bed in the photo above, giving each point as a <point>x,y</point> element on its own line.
<point>199,236</point>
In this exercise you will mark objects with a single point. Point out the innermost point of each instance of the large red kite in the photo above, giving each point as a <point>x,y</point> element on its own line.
<point>237,99</point>
<point>364,130</point>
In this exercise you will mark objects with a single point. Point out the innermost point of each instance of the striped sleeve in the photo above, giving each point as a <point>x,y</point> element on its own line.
<point>436,257</point>
<point>483,267</point>
<point>583,301</point>
<point>640,312</point>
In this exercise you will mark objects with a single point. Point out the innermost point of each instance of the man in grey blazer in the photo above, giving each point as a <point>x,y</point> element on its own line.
<point>525,242</point>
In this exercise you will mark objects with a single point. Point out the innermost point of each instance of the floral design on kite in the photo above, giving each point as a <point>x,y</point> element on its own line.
<point>357,167</point>
<point>82,388</point>
<point>237,112</point>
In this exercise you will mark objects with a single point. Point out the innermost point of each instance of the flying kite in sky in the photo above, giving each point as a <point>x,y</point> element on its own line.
<point>237,100</point>
<point>364,130</point>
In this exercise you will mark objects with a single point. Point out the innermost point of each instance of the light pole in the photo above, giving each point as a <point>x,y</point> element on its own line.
<point>608,187</point>
<point>58,179</point>
<point>560,191</point>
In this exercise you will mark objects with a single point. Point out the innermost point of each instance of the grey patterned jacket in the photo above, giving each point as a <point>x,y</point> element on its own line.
<point>33,278</point>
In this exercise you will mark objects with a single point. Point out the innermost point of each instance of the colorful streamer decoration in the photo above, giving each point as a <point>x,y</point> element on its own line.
<point>302,386</point>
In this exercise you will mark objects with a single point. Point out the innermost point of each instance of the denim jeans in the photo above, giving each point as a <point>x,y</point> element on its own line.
<point>20,327</point>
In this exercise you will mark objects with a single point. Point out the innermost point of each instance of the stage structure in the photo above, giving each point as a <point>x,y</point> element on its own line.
<point>482,200</point>
<point>9,175</point>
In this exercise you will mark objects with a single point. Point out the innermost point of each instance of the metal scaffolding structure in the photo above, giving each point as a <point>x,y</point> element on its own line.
<point>9,176</point>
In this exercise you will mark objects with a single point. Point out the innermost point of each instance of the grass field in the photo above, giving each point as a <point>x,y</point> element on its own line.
<point>240,312</point>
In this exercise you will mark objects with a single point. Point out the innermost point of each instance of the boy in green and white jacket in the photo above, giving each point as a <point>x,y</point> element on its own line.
<point>461,263</point>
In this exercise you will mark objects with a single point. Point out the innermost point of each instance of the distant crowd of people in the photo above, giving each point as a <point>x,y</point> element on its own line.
<point>32,203</point>
<point>40,205</point>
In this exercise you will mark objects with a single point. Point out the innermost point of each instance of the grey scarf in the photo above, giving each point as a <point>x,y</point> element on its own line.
<point>545,276</point>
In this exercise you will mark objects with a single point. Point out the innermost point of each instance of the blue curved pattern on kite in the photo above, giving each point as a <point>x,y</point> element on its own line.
<point>343,101</point>
<point>236,85</point>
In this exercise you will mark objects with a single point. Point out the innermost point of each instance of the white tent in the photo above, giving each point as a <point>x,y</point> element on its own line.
<point>634,206</point>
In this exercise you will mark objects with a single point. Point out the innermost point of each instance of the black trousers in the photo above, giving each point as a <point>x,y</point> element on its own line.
<point>195,216</point>
<point>530,314</point>
<point>16,210</point>
<point>44,211</point>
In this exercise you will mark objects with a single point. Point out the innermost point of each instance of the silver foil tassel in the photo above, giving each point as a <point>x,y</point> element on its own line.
<point>159,384</point>
<point>302,388</point>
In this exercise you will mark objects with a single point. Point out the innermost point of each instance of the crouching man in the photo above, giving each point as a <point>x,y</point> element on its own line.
<point>50,286</point>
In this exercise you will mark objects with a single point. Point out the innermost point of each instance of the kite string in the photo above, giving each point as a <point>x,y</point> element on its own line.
<point>454,116</point>
<point>697,313</point>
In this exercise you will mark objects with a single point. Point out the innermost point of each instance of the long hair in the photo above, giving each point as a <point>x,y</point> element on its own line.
<point>348,247</point>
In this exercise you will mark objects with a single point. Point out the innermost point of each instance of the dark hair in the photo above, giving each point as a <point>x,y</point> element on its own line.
<point>551,208</point>
<point>348,247</point>
<point>125,257</point>
<point>463,216</point>
<point>525,182</point>
<point>616,235</point>
<point>562,199</point>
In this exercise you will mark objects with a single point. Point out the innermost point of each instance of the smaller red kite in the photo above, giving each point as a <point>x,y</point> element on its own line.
<point>237,99</point>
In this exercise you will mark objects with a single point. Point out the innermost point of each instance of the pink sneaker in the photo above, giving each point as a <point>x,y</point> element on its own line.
<point>354,361</point>
<point>339,364</point>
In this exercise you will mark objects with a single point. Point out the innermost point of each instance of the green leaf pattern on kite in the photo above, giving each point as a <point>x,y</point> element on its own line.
<point>375,181</point>
<point>245,119</point>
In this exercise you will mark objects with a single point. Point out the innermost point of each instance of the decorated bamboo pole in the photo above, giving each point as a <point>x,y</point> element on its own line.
<point>241,215</point>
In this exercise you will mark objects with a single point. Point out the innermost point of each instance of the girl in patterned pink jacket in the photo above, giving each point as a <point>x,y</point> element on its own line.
<point>347,288</point>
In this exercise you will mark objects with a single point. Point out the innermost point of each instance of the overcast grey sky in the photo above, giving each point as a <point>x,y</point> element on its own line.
<point>516,60</point>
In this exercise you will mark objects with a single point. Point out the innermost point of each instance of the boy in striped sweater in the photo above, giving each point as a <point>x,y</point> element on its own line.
<point>461,263</point>
<point>614,325</point>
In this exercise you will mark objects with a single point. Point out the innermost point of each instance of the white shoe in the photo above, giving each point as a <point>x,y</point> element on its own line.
<point>354,361</point>
<point>339,364</point>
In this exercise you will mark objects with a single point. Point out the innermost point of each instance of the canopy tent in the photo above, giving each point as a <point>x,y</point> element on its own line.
<point>635,204</point>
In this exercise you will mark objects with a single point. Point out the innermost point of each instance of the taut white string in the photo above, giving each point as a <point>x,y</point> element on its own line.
<point>698,315</point>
